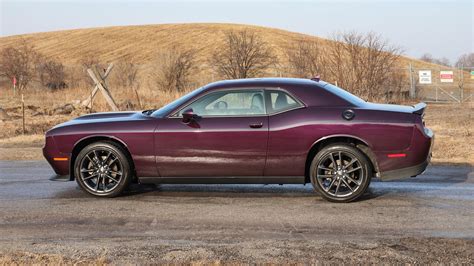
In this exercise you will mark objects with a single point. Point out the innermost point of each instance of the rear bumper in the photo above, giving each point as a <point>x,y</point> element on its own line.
<point>417,169</point>
<point>405,172</point>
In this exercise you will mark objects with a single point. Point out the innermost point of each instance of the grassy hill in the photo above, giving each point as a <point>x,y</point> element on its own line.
<point>140,44</point>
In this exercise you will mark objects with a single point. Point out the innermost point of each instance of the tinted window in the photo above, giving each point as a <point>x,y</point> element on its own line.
<point>344,94</point>
<point>229,103</point>
<point>281,101</point>
<point>165,110</point>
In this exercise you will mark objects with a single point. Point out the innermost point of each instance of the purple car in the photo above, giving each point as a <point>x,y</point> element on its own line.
<point>252,131</point>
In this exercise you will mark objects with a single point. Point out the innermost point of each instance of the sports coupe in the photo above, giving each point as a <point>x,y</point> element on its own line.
<point>253,131</point>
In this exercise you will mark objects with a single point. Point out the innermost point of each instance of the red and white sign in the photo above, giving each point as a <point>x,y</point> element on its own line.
<point>14,81</point>
<point>446,76</point>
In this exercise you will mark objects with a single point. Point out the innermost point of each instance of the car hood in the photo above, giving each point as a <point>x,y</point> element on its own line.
<point>96,120</point>
<point>107,116</point>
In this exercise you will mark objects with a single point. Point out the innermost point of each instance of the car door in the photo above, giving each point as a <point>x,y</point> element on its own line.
<point>287,140</point>
<point>228,136</point>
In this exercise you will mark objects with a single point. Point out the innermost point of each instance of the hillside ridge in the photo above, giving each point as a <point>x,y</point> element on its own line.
<point>141,43</point>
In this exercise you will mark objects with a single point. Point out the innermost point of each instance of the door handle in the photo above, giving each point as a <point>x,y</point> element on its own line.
<point>256,125</point>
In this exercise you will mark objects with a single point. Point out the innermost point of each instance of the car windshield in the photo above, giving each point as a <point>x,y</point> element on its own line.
<point>165,110</point>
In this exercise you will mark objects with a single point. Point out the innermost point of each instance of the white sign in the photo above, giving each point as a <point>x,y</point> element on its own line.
<point>446,76</point>
<point>425,76</point>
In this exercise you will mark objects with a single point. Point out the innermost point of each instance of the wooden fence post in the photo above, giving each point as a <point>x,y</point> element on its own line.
<point>23,112</point>
<point>103,89</point>
<point>99,79</point>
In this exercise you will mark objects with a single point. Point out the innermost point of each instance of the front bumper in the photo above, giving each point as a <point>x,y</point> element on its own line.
<point>59,161</point>
<point>60,178</point>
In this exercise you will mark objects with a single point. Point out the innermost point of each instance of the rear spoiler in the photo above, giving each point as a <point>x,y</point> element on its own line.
<point>419,108</point>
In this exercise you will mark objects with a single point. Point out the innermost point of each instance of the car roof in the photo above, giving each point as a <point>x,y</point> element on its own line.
<point>271,82</point>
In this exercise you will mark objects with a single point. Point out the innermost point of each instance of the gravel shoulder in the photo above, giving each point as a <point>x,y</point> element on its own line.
<point>425,219</point>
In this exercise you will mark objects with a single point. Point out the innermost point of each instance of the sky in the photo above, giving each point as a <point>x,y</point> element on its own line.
<point>441,28</point>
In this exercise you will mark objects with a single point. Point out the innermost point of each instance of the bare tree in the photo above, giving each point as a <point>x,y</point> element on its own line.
<point>18,62</point>
<point>427,57</point>
<point>306,58</point>
<point>244,54</point>
<point>465,60</point>
<point>174,69</point>
<point>362,63</point>
<point>51,73</point>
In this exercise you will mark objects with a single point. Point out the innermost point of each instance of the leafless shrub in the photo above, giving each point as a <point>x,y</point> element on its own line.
<point>362,63</point>
<point>125,74</point>
<point>306,58</point>
<point>395,89</point>
<point>18,62</point>
<point>243,55</point>
<point>90,61</point>
<point>51,73</point>
<point>174,68</point>
<point>74,76</point>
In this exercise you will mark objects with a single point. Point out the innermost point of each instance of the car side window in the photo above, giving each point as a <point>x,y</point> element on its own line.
<point>229,103</point>
<point>281,101</point>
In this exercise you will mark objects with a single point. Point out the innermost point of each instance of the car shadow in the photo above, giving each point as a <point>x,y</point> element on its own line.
<point>220,190</point>
<point>436,177</point>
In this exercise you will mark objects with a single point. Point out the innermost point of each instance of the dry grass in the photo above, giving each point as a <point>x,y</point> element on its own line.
<point>40,105</point>
<point>453,125</point>
<point>28,258</point>
<point>140,44</point>
<point>22,141</point>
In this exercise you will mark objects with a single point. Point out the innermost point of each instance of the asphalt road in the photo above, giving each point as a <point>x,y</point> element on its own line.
<point>425,219</point>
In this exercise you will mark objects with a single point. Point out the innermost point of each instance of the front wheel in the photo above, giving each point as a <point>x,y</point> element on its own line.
<point>340,173</point>
<point>102,169</point>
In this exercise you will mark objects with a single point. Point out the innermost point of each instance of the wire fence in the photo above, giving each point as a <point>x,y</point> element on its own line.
<point>442,84</point>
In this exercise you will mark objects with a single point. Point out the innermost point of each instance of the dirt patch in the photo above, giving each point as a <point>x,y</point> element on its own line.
<point>28,258</point>
<point>400,251</point>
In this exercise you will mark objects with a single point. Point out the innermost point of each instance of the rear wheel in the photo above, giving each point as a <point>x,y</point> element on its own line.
<point>103,169</point>
<point>340,172</point>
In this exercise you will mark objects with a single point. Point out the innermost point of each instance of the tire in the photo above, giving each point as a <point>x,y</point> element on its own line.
<point>103,169</point>
<point>340,180</point>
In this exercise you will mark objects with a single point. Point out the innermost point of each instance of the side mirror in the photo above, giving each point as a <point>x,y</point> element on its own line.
<point>189,116</point>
